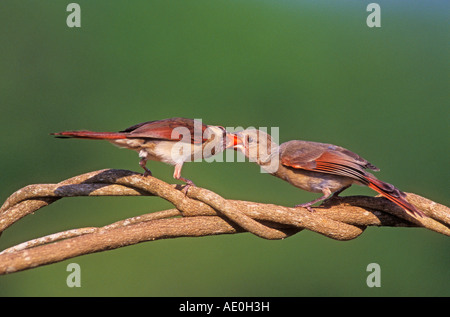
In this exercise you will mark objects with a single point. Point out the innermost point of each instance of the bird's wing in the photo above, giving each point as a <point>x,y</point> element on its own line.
<point>325,158</point>
<point>173,129</point>
<point>331,159</point>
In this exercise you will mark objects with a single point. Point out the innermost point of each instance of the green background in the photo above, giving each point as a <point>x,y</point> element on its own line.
<point>312,68</point>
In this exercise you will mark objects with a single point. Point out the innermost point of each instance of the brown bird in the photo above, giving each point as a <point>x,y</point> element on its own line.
<point>172,141</point>
<point>316,167</point>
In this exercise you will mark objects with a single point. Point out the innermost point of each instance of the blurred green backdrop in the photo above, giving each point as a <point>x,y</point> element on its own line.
<point>312,68</point>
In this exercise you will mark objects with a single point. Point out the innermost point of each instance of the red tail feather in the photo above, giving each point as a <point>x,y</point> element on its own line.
<point>394,195</point>
<point>91,135</point>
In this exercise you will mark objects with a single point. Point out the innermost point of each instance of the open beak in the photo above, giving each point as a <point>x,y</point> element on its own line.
<point>239,143</point>
<point>233,140</point>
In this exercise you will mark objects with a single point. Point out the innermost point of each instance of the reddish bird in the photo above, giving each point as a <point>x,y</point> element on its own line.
<point>316,167</point>
<point>172,141</point>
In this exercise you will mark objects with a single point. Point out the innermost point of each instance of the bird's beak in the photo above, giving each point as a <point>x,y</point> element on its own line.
<point>232,140</point>
<point>238,142</point>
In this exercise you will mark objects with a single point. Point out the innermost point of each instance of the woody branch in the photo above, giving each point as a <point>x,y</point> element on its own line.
<point>197,212</point>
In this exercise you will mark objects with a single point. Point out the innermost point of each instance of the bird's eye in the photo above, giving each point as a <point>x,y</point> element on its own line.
<point>249,139</point>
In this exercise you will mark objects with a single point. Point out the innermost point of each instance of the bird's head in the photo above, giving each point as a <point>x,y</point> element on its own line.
<point>257,146</point>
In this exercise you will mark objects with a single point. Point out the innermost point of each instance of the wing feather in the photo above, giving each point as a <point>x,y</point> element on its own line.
<point>164,130</point>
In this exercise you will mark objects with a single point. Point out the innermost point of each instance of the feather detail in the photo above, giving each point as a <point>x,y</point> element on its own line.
<point>393,194</point>
<point>174,129</point>
<point>90,135</point>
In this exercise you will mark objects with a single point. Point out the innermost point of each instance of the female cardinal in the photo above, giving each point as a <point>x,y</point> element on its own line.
<point>316,167</point>
<point>172,141</point>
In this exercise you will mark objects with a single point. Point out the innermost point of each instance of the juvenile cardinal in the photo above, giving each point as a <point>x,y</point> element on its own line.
<point>172,141</point>
<point>316,167</point>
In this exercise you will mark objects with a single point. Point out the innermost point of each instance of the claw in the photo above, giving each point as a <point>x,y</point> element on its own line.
<point>186,187</point>
<point>142,163</point>
<point>307,206</point>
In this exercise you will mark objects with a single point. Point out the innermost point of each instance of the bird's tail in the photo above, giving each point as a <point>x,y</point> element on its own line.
<point>90,135</point>
<point>393,194</point>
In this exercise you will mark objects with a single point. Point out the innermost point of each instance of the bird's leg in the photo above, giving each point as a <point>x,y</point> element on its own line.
<point>177,175</point>
<point>143,155</point>
<point>326,193</point>
<point>336,193</point>
<point>142,163</point>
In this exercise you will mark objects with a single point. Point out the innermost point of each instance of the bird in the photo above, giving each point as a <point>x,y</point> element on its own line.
<point>172,141</point>
<point>316,167</point>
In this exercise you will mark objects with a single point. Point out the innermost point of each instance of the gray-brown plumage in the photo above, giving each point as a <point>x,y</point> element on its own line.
<point>316,167</point>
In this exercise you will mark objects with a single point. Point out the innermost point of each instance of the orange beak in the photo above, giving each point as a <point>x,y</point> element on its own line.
<point>232,140</point>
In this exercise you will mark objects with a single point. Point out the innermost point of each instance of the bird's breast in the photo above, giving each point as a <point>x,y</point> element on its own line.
<point>171,152</point>
<point>312,181</point>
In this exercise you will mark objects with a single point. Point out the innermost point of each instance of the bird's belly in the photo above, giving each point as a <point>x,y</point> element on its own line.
<point>314,182</point>
<point>132,144</point>
<point>147,148</point>
<point>170,152</point>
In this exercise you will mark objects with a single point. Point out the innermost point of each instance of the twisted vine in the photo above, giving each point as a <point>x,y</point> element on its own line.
<point>197,212</point>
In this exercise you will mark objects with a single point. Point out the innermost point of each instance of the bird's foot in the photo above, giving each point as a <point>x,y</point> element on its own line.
<point>307,206</point>
<point>147,173</point>
<point>186,187</point>
<point>142,163</point>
